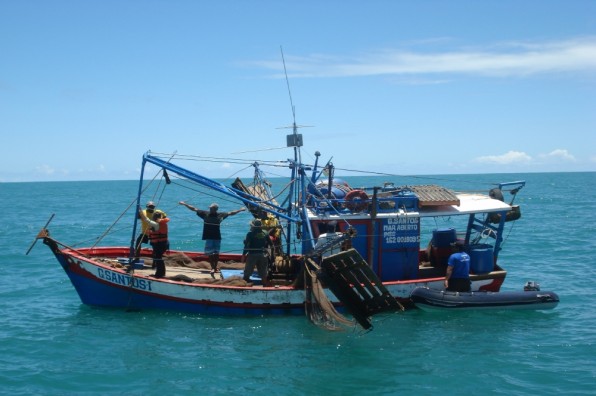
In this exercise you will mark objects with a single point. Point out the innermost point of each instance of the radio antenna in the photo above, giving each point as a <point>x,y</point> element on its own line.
<point>288,84</point>
<point>294,140</point>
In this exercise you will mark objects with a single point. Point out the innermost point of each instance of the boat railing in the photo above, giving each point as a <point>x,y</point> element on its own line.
<point>383,203</point>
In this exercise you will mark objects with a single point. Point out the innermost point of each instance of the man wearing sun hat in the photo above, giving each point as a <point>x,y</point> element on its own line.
<point>256,245</point>
<point>211,230</point>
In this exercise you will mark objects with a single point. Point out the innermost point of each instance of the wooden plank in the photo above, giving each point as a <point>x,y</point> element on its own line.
<point>432,195</point>
<point>354,283</point>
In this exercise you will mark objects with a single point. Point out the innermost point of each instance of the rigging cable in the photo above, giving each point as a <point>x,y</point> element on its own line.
<point>109,229</point>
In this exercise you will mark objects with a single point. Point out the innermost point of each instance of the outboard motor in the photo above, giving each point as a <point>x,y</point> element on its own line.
<point>496,193</point>
<point>531,286</point>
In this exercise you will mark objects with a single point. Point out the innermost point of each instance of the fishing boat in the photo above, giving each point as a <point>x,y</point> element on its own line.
<point>529,299</point>
<point>341,249</point>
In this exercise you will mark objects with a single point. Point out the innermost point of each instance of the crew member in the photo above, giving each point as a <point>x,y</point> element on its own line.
<point>256,244</point>
<point>211,230</point>
<point>271,226</point>
<point>457,277</point>
<point>158,237</point>
<point>144,235</point>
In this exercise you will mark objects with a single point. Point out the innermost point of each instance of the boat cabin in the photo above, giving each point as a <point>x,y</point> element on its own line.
<point>388,221</point>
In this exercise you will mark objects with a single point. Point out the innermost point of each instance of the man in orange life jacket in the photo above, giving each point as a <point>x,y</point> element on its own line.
<point>158,237</point>
<point>144,235</point>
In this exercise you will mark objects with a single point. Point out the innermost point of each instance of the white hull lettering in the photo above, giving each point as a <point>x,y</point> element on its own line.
<point>123,279</point>
<point>400,227</point>
<point>403,220</point>
<point>402,239</point>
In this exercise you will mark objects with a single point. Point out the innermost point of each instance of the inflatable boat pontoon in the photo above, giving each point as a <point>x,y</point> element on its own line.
<point>430,299</point>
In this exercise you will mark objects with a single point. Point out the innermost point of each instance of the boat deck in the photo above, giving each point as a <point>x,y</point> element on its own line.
<point>229,273</point>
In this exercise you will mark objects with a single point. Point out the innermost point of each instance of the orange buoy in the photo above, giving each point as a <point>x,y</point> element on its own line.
<point>356,200</point>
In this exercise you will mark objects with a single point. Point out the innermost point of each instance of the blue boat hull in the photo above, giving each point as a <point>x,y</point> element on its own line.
<point>430,299</point>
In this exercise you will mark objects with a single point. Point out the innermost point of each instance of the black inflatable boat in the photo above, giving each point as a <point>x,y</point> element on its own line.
<point>430,299</point>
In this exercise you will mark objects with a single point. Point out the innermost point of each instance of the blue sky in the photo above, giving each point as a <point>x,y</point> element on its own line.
<point>403,87</point>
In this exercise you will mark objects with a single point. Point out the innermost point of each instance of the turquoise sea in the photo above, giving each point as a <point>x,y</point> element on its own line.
<point>51,344</point>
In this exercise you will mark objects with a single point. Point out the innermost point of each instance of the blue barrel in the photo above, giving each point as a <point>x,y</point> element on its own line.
<point>444,237</point>
<point>338,192</point>
<point>481,258</point>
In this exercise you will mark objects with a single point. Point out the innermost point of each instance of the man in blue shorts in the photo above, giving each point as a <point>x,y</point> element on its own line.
<point>211,230</point>
<point>457,277</point>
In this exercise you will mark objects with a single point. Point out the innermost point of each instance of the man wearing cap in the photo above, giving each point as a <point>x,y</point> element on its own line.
<point>256,245</point>
<point>211,230</point>
<point>158,236</point>
<point>457,277</point>
<point>271,226</point>
<point>148,212</point>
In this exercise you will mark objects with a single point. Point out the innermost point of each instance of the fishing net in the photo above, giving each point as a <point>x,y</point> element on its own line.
<point>318,307</point>
<point>348,276</point>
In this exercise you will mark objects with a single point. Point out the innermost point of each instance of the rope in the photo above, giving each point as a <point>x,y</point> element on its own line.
<point>107,231</point>
<point>284,164</point>
<point>68,247</point>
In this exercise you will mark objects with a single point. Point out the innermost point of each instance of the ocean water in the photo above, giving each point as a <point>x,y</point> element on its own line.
<point>51,344</point>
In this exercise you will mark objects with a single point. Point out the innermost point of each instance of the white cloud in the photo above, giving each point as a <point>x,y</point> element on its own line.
<point>502,59</point>
<point>511,157</point>
<point>45,169</point>
<point>559,154</point>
